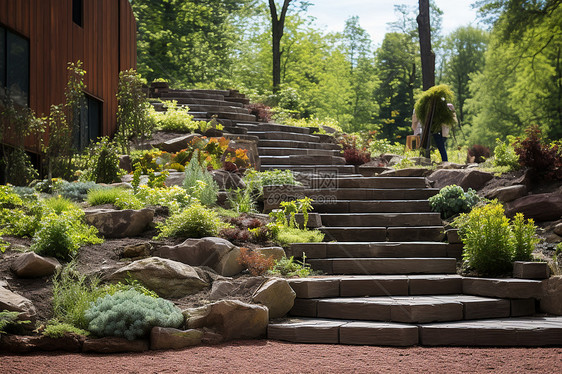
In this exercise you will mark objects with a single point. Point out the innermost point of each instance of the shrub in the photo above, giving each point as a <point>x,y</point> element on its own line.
<point>256,262</point>
<point>175,197</point>
<point>261,111</point>
<point>452,200</point>
<point>200,183</point>
<point>289,267</point>
<point>353,153</point>
<point>535,153</point>
<point>478,153</point>
<point>504,154</point>
<point>76,191</point>
<point>175,118</point>
<point>103,163</point>
<point>242,201</point>
<point>18,217</point>
<point>59,204</point>
<point>196,221</point>
<point>354,156</point>
<point>101,196</point>
<point>131,314</point>
<point>491,242</point>
<point>55,329</point>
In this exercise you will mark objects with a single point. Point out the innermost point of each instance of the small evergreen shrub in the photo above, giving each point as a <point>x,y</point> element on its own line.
<point>525,238</point>
<point>504,154</point>
<point>103,163</point>
<point>196,221</point>
<point>452,200</point>
<point>76,191</point>
<point>200,183</point>
<point>256,262</point>
<point>131,314</point>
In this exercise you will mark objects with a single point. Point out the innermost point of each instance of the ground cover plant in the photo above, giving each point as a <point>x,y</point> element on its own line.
<point>452,200</point>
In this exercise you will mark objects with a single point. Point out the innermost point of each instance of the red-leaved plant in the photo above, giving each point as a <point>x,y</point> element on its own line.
<point>535,153</point>
<point>255,262</point>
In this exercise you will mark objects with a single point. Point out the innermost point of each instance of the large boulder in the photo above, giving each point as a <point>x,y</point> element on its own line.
<point>551,299</point>
<point>113,223</point>
<point>217,253</point>
<point>277,253</point>
<point>13,302</point>
<point>540,207</point>
<point>177,144</point>
<point>232,319</point>
<point>31,265</point>
<point>509,193</point>
<point>226,288</point>
<point>175,178</point>
<point>466,178</point>
<point>170,338</point>
<point>167,278</point>
<point>277,296</point>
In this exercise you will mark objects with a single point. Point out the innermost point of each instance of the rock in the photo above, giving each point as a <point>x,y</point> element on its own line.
<point>137,250</point>
<point>540,207</point>
<point>217,253</point>
<point>252,150</point>
<point>506,194</point>
<point>111,344</point>
<point>551,299</point>
<point>388,156</point>
<point>31,265</point>
<point>26,343</point>
<point>223,289</point>
<point>452,165</point>
<point>232,319</point>
<point>467,178</point>
<point>13,302</point>
<point>276,252</point>
<point>531,270</point>
<point>213,133</point>
<point>125,163</point>
<point>177,144</point>
<point>113,223</point>
<point>169,338</point>
<point>175,178</point>
<point>277,296</point>
<point>409,172</point>
<point>165,277</point>
<point>558,229</point>
<point>227,180</point>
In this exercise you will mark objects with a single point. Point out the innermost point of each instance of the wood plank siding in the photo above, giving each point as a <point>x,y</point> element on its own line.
<point>105,43</point>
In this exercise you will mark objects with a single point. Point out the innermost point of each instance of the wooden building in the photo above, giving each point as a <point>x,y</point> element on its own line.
<point>39,37</point>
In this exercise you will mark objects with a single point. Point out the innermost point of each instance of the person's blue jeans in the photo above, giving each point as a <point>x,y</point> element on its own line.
<point>440,143</point>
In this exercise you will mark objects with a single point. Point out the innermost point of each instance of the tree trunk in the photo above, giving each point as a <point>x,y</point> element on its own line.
<point>427,55</point>
<point>277,26</point>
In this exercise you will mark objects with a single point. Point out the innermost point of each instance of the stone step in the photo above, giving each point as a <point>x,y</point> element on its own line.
<point>390,266</point>
<point>367,249</point>
<point>333,170</point>
<point>241,100</point>
<point>263,127</point>
<point>379,206</point>
<point>296,144</point>
<point>380,219</point>
<point>191,102</point>
<point>218,109</point>
<point>280,135</point>
<point>302,160</point>
<point>502,287</point>
<point>240,136</point>
<point>381,182</point>
<point>323,331</point>
<point>272,151</point>
<point>173,95</point>
<point>232,116</point>
<point>381,234</point>
<point>406,309</point>
<point>509,332</point>
<point>212,92</point>
<point>376,285</point>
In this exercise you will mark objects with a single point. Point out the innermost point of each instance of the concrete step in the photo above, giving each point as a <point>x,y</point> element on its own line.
<point>281,135</point>
<point>296,144</point>
<point>333,170</point>
<point>272,151</point>
<point>390,266</point>
<point>505,332</point>
<point>381,234</point>
<point>274,127</point>
<point>367,249</point>
<point>302,160</point>
<point>364,206</point>
<point>406,309</point>
<point>323,331</point>
<point>380,219</point>
<point>376,285</point>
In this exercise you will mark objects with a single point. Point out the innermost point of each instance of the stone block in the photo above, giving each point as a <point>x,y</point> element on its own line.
<point>373,286</point>
<point>169,338</point>
<point>508,288</point>
<point>480,308</point>
<point>426,311</point>
<point>359,309</point>
<point>31,265</point>
<point>378,333</point>
<point>530,270</point>
<point>303,331</point>
<point>551,295</point>
<point>522,307</point>
<point>434,285</point>
<point>305,308</point>
<point>455,250</point>
<point>453,236</point>
<point>309,288</point>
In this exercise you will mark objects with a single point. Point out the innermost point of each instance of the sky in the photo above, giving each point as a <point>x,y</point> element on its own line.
<point>375,14</point>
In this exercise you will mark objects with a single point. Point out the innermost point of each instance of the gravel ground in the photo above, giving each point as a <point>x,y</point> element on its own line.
<point>263,356</point>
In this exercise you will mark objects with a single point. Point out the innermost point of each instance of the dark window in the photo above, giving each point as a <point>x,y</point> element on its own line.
<point>14,66</point>
<point>88,126</point>
<point>78,12</point>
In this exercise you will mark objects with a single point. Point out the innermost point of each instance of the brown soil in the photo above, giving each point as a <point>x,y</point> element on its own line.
<point>262,356</point>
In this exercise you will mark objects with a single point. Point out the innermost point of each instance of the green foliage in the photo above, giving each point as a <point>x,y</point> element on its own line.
<point>313,122</point>
<point>452,200</point>
<point>76,191</point>
<point>10,320</point>
<point>438,96</point>
<point>103,163</point>
<point>196,221</point>
<point>242,200</point>
<point>18,168</point>
<point>175,197</point>
<point>536,153</point>
<point>175,118</point>
<point>18,217</point>
<point>61,235</point>
<point>131,314</point>
<point>256,180</point>
<point>56,329</point>
<point>60,204</point>
<point>491,241</point>
<point>289,267</point>
<point>504,154</point>
<point>133,120</point>
<point>101,196</point>
<point>290,235</point>
<point>200,183</point>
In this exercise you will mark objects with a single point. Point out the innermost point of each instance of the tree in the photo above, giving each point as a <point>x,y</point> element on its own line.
<point>427,55</point>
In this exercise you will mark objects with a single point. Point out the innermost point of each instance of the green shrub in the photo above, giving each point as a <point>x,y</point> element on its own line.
<point>491,242</point>
<point>504,154</point>
<point>255,180</point>
<point>55,329</point>
<point>9,321</point>
<point>196,221</point>
<point>289,235</point>
<point>101,196</point>
<point>103,163</point>
<point>59,204</point>
<point>242,201</point>
<point>18,216</point>
<point>199,182</point>
<point>175,118</point>
<point>289,267</point>
<point>131,315</point>
<point>175,197</point>
<point>452,200</point>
